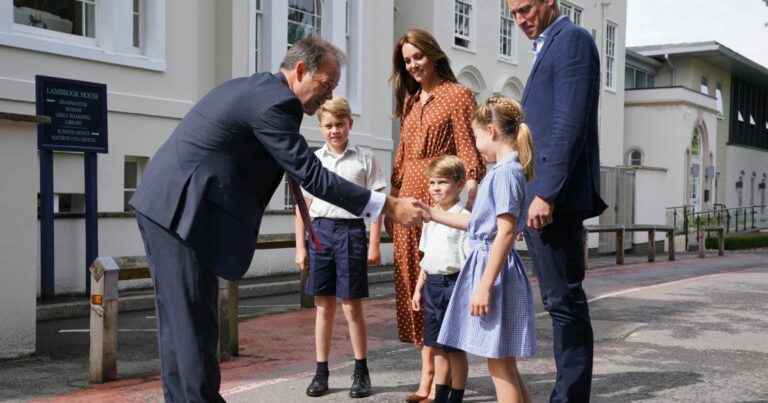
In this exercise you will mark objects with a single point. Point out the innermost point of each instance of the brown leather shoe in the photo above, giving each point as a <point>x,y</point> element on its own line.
<point>414,398</point>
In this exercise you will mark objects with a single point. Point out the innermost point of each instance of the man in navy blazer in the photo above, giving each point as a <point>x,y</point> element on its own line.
<point>201,200</point>
<point>560,102</point>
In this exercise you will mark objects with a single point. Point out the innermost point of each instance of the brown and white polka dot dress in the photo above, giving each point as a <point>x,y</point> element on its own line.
<point>441,126</point>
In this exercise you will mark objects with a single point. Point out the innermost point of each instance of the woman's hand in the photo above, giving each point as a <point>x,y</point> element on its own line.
<point>416,300</point>
<point>471,187</point>
<point>480,303</point>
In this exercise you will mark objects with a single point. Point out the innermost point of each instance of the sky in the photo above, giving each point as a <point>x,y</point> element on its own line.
<point>737,24</point>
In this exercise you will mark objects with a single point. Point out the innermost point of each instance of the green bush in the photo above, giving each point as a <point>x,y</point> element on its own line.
<point>740,241</point>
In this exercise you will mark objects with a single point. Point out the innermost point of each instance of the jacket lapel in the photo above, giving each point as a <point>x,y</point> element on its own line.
<point>559,25</point>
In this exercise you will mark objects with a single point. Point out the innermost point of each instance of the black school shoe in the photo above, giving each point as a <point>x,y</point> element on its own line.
<point>361,384</point>
<point>318,386</point>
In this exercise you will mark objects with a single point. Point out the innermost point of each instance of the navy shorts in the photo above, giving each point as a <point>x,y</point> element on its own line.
<point>341,269</point>
<point>435,297</point>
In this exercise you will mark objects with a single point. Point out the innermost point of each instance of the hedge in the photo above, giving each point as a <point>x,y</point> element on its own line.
<point>741,241</point>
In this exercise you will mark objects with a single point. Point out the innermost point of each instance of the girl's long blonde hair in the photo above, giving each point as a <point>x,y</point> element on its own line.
<point>506,115</point>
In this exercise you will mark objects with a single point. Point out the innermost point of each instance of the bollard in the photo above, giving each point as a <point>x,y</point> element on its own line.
<point>228,326</point>
<point>721,242</point>
<point>102,358</point>
<point>671,244</point>
<point>652,245</point>
<point>620,246</point>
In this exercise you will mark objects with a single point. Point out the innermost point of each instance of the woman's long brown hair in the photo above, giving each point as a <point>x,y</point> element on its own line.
<point>401,80</point>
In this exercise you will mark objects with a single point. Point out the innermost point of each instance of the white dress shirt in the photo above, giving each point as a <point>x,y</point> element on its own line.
<point>445,248</point>
<point>359,166</point>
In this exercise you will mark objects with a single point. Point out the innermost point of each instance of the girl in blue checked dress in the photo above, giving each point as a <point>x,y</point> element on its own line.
<point>490,313</point>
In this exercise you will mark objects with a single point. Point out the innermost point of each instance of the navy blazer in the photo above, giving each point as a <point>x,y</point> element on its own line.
<point>560,102</point>
<point>210,182</point>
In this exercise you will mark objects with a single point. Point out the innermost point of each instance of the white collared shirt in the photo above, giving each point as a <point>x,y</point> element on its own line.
<point>355,164</point>
<point>538,43</point>
<point>445,248</point>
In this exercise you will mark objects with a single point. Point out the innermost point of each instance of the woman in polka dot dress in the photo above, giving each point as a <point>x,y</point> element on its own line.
<point>435,115</point>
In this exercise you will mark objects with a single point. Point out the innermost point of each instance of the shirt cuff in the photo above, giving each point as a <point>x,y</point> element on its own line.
<point>375,206</point>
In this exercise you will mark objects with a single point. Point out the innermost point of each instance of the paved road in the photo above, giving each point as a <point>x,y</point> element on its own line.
<point>686,331</point>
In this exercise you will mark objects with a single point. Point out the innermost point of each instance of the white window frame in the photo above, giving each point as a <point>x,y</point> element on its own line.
<point>704,85</point>
<point>572,11</point>
<point>471,25</point>
<point>322,17</point>
<point>341,25</point>
<point>719,99</point>
<point>506,18</point>
<point>141,165</point>
<point>629,156</point>
<point>258,59</point>
<point>137,23</point>
<point>353,39</point>
<point>113,42</point>
<point>610,54</point>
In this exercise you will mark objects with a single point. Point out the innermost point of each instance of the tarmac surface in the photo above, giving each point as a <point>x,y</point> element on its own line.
<point>692,330</point>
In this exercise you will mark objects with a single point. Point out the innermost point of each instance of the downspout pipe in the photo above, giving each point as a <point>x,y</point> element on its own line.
<point>672,68</point>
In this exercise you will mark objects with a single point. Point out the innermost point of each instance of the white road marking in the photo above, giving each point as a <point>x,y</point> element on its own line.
<point>62,331</point>
<point>258,306</point>
<point>650,287</point>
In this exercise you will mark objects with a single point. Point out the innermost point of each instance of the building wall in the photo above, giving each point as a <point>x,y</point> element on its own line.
<point>743,164</point>
<point>17,241</point>
<point>207,43</point>
<point>688,72</point>
<point>660,123</point>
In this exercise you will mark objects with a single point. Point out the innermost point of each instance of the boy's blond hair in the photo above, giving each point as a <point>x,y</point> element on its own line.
<point>448,166</point>
<point>336,106</point>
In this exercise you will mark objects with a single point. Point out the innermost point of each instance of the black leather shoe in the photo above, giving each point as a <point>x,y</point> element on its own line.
<point>361,385</point>
<point>318,387</point>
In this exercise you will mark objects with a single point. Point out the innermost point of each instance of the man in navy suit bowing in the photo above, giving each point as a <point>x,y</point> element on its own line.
<point>560,103</point>
<point>200,203</point>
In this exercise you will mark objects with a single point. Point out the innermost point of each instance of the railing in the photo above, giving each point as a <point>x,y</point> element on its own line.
<point>686,221</point>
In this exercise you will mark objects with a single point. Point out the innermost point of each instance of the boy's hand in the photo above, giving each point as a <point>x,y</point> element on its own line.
<point>416,301</point>
<point>374,256</point>
<point>480,303</point>
<point>302,259</point>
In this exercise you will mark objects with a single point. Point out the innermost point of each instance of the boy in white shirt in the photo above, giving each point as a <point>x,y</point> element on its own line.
<point>444,256</point>
<point>340,269</point>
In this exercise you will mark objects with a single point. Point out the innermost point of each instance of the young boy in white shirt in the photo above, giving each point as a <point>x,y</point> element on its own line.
<point>340,269</point>
<point>444,256</point>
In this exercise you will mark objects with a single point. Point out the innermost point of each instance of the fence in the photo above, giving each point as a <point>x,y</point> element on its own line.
<point>686,221</point>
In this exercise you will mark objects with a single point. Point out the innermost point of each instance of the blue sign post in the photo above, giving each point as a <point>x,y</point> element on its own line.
<point>78,112</point>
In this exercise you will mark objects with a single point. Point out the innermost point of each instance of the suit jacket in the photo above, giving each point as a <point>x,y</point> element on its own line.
<point>560,102</point>
<point>210,182</point>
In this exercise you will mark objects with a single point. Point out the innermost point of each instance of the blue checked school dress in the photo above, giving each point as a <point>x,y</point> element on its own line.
<point>508,330</point>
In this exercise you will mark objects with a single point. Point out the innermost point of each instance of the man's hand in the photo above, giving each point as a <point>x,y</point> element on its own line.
<point>406,211</point>
<point>302,259</point>
<point>540,213</point>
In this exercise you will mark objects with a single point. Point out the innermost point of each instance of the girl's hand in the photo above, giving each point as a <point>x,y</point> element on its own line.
<point>471,188</point>
<point>416,301</point>
<point>480,303</point>
<point>374,256</point>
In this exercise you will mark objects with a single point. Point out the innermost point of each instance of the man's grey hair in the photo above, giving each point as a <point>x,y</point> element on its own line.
<point>313,51</point>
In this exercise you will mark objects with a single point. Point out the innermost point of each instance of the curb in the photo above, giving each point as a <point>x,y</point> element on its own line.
<point>81,308</point>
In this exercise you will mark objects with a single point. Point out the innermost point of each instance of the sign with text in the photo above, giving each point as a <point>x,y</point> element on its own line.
<point>78,112</point>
